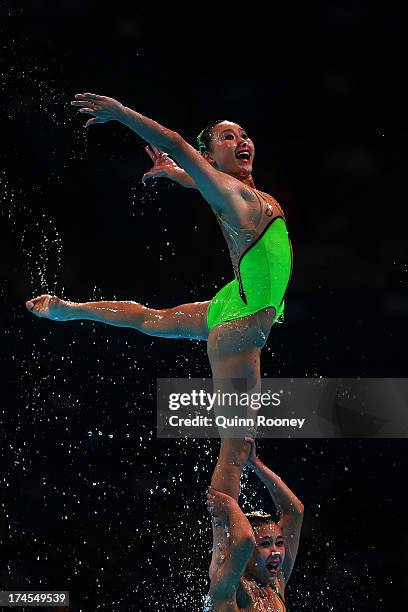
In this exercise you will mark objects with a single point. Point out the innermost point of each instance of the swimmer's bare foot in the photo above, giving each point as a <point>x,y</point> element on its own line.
<point>51,307</point>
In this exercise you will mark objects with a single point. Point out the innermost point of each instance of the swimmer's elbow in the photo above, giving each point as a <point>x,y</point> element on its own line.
<point>294,511</point>
<point>298,508</point>
<point>295,506</point>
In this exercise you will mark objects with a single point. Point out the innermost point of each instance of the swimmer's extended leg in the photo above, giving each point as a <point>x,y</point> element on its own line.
<point>184,321</point>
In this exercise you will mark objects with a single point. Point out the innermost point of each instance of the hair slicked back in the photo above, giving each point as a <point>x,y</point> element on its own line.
<point>204,137</point>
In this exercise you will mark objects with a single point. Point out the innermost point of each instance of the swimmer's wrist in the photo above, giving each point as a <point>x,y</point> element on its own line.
<point>185,180</point>
<point>121,113</point>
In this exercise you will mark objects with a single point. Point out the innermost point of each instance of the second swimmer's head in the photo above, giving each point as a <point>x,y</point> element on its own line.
<point>269,553</point>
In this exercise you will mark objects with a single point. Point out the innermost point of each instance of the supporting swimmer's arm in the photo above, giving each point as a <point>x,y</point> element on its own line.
<point>218,188</point>
<point>286,502</point>
<point>225,580</point>
<point>284,499</point>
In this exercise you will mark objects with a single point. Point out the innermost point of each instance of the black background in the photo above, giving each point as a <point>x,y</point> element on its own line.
<point>91,502</point>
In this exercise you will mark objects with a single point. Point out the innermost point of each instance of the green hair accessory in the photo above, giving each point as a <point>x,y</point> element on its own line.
<point>200,142</point>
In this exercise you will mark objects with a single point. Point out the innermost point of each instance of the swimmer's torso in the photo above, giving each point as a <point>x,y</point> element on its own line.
<point>242,229</point>
<point>255,230</point>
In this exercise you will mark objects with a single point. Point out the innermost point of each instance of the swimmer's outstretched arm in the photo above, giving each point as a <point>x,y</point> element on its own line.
<point>286,502</point>
<point>230,566</point>
<point>218,188</point>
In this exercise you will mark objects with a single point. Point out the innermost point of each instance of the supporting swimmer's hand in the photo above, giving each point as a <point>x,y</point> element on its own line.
<point>163,165</point>
<point>252,453</point>
<point>50,307</point>
<point>103,108</point>
<point>219,504</point>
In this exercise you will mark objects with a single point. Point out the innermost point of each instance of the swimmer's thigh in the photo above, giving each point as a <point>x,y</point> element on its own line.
<point>234,347</point>
<point>184,321</point>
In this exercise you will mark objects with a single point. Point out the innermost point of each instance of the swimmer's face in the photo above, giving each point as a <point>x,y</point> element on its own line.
<point>268,556</point>
<point>232,150</point>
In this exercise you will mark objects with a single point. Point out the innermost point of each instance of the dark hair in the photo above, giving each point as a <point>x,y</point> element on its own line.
<point>204,137</point>
<point>256,519</point>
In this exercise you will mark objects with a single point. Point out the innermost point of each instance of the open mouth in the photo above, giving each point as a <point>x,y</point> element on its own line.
<point>243,156</point>
<point>273,566</point>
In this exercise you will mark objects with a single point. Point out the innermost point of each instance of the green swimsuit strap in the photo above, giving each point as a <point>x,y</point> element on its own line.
<point>277,591</point>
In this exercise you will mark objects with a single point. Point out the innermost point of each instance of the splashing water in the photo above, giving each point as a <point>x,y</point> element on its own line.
<point>39,242</point>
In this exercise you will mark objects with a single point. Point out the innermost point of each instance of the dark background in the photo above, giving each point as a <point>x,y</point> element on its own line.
<point>90,501</point>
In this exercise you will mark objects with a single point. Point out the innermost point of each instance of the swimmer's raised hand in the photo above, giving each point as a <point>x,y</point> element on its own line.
<point>102,108</point>
<point>164,166</point>
<point>252,457</point>
<point>50,307</point>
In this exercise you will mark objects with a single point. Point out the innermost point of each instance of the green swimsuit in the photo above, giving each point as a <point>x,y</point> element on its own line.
<point>262,268</point>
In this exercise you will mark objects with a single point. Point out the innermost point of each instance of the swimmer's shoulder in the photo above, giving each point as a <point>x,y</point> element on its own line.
<point>271,201</point>
<point>269,198</point>
<point>255,204</point>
